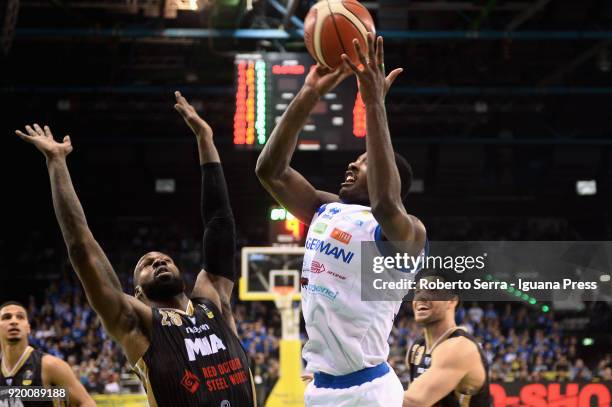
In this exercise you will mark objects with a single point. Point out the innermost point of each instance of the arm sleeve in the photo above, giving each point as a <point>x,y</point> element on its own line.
<point>219,239</point>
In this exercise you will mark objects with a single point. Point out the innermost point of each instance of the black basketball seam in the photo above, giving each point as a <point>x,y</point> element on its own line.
<point>353,24</point>
<point>331,13</point>
<point>357,17</point>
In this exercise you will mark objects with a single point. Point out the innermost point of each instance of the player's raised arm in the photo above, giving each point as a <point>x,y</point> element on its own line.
<point>58,373</point>
<point>286,185</point>
<point>384,183</point>
<point>121,314</point>
<point>216,280</point>
<point>448,368</point>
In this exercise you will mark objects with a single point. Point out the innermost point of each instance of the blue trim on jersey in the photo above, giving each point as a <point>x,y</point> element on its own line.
<point>378,234</point>
<point>327,381</point>
<point>321,209</point>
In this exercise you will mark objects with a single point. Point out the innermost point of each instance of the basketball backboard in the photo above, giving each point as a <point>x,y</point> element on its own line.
<point>263,268</point>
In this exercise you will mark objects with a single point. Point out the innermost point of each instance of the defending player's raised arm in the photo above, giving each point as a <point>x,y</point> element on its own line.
<point>121,314</point>
<point>216,280</point>
<point>384,184</point>
<point>56,372</point>
<point>448,368</point>
<point>288,187</point>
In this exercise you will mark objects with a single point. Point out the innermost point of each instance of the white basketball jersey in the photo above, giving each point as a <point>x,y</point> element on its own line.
<point>345,334</point>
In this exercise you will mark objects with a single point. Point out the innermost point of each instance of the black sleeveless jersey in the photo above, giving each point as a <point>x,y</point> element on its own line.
<point>195,360</point>
<point>29,374</point>
<point>419,362</point>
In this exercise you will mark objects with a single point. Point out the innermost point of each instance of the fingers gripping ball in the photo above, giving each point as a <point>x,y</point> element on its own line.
<point>331,26</point>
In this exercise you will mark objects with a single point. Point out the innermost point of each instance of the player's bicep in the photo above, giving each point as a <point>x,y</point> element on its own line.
<point>212,287</point>
<point>297,195</point>
<point>450,364</point>
<point>397,225</point>
<point>58,373</point>
<point>217,289</point>
<point>98,277</point>
<point>432,386</point>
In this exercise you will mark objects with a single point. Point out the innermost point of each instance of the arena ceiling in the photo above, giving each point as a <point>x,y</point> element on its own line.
<point>502,107</point>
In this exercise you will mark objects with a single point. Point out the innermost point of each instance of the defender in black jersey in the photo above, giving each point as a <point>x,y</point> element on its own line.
<point>23,366</point>
<point>186,351</point>
<point>447,366</point>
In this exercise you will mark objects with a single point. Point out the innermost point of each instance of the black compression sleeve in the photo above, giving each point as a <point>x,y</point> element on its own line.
<point>219,240</point>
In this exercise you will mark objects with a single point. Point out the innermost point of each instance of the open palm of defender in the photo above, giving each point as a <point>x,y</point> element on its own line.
<point>198,125</point>
<point>43,140</point>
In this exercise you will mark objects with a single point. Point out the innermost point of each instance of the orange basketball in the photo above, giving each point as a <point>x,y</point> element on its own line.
<point>329,29</point>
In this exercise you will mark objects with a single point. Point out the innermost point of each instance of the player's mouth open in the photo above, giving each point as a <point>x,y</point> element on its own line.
<point>161,270</point>
<point>349,178</point>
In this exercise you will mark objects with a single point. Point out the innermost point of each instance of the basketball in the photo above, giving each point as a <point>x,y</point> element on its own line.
<point>330,27</point>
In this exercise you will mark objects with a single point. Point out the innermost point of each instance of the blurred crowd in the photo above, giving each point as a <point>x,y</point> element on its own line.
<point>520,343</point>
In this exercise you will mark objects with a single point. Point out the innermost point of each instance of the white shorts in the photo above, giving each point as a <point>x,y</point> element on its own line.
<point>384,391</point>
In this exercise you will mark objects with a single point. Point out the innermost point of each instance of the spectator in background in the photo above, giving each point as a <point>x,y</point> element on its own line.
<point>580,372</point>
<point>475,313</point>
<point>112,385</point>
<point>259,369</point>
<point>562,368</point>
<point>606,374</point>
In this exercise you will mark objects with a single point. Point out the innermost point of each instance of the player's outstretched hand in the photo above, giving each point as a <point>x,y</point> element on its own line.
<point>373,84</point>
<point>198,125</point>
<point>322,79</point>
<point>43,140</point>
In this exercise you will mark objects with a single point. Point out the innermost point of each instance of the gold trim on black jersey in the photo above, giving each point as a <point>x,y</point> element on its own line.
<point>143,374</point>
<point>464,399</point>
<point>189,311</point>
<point>24,358</point>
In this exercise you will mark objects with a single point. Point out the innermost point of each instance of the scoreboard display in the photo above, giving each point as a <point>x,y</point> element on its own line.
<point>265,85</point>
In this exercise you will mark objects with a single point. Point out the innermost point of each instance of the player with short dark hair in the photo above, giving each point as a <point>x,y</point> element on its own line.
<point>447,365</point>
<point>184,348</point>
<point>22,365</point>
<point>347,346</point>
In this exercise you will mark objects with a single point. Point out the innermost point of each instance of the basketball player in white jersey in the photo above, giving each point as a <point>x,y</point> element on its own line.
<point>347,345</point>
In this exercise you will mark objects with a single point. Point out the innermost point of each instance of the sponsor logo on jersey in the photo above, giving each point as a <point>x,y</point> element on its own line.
<point>190,381</point>
<point>329,249</point>
<point>341,236</point>
<point>303,282</point>
<point>336,275</point>
<point>321,290</point>
<point>316,267</point>
<point>418,355</point>
<point>206,345</point>
<point>319,228</point>
<point>356,222</point>
<point>27,378</point>
<point>209,313</point>
<point>197,329</point>
<point>330,213</point>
